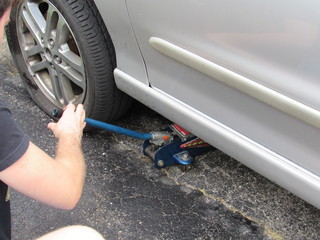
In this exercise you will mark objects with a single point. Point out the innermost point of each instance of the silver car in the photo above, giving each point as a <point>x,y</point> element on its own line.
<point>242,75</point>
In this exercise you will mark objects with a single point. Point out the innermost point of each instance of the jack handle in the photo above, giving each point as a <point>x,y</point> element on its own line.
<point>158,138</point>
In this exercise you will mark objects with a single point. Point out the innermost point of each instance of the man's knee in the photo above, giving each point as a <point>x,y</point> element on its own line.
<point>73,233</point>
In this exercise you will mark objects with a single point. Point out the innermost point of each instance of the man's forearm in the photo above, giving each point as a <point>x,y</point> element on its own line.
<point>69,153</point>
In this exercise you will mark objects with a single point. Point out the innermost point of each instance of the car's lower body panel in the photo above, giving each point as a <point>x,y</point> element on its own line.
<point>284,172</point>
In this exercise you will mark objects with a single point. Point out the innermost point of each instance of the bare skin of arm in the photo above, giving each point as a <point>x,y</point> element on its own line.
<point>54,181</point>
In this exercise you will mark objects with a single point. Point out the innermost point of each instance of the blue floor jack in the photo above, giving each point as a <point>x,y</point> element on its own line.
<point>172,145</point>
<point>181,147</point>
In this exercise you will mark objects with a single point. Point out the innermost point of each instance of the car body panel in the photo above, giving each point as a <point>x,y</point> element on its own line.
<point>259,158</point>
<point>271,45</point>
<point>202,31</point>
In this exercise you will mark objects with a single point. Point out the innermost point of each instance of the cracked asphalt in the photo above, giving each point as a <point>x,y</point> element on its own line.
<point>125,197</point>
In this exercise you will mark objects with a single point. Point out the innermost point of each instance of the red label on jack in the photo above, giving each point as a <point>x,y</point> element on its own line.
<point>196,143</point>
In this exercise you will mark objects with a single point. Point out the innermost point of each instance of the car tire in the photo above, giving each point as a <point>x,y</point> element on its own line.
<point>64,54</point>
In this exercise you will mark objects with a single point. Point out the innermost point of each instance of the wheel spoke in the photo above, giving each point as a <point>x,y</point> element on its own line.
<point>73,68</point>
<point>34,50</point>
<point>34,20</point>
<point>63,32</point>
<point>39,66</point>
<point>51,22</point>
<point>73,76</point>
<point>71,59</point>
<point>66,89</point>
<point>56,88</point>
<point>62,89</point>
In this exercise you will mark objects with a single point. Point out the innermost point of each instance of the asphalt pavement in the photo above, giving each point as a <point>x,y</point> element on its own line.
<point>125,197</point>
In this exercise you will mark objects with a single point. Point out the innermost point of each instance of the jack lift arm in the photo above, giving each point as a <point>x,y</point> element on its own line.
<point>172,145</point>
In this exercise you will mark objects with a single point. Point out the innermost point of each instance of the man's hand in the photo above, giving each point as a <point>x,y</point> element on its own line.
<point>71,122</point>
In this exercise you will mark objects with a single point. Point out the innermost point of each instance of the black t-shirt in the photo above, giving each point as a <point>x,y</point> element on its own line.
<point>13,144</point>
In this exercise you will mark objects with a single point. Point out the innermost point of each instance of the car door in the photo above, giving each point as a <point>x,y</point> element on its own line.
<point>252,66</point>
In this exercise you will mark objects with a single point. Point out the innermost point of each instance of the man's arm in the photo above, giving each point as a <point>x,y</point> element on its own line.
<point>57,182</point>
